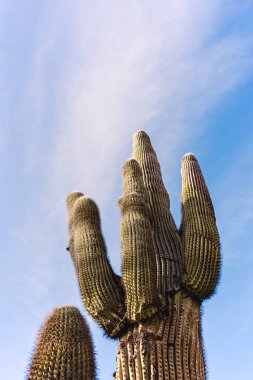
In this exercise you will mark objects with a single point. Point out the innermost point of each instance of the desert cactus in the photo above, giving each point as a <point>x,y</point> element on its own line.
<point>64,349</point>
<point>154,309</point>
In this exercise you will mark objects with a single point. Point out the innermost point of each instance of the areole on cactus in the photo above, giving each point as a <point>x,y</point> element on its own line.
<point>154,308</point>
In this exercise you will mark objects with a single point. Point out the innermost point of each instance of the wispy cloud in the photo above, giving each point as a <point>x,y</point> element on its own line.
<point>125,67</point>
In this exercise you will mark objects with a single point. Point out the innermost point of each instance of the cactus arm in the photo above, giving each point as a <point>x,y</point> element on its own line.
<point>100,288</point>
<point>199,233</point>
<point>167,242</point>
<point>64,349</point>
<point>72,197</point>
<point>138,254</point>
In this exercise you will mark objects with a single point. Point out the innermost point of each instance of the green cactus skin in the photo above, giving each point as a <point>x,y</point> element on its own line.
<point>169,260</point>
<point>155,308</point>
<point>101,289</point>
<point>138,251</point>
<point>64,350</point>
<point>166,273</point>
<point>168,345</point>
<point>199,234</point>
<point>164,347</point>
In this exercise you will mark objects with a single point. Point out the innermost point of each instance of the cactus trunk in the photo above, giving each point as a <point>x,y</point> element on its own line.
<point>168,348</point>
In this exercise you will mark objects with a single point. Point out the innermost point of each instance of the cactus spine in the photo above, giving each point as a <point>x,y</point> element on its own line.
<point>154,309</point>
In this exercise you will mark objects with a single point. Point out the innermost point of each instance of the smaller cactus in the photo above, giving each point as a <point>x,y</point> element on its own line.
<point>64,349</point>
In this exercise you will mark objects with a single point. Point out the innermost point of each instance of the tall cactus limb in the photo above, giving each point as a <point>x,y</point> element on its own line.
<point>200,237</point>
<point>138,251</point>
<point>101,289</point>
<point>155,308</point>
<point>168,249</point>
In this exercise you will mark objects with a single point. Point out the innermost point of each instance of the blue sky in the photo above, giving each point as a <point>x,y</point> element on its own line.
<point>77,79</point>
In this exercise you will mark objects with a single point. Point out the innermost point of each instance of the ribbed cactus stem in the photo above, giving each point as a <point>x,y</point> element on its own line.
<point>169,260</point>
<point>64,350</point>
<point>138,254</point>
<point>168,348</point>
<point>100,288</point>
<point>199,233</point>
<point>72,197</point>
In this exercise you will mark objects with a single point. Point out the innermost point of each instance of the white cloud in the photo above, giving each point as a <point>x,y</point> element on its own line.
<point>132,66</point>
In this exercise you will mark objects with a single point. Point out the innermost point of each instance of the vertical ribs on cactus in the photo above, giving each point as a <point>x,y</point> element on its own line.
<point>64,348</point>
<point>154,309</point>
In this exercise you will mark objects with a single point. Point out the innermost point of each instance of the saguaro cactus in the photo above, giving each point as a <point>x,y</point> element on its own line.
<point>154,309</point>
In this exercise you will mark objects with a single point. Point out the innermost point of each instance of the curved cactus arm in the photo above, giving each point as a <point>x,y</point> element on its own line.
<point>167,242</point>
<point>138,254</point>
<point>199,233</point>
<point>100,288</point>
<point>72,197</point>
<point>64,349</point>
